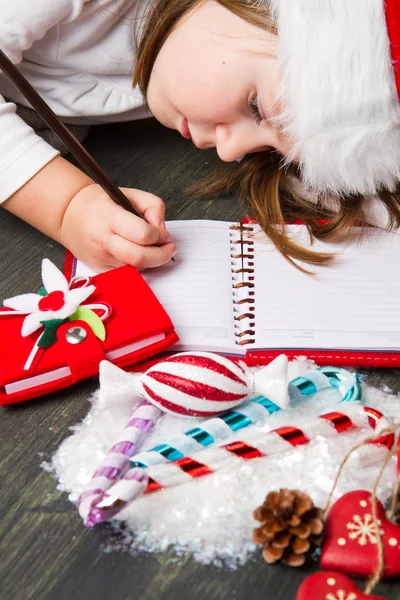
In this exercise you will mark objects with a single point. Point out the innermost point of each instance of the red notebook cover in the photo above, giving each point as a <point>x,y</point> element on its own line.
<point>136,328</point>
<point>333,358</point>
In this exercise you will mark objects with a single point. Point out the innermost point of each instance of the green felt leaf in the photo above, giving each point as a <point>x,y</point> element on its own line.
<point>89,316</point>
<point>49,336</point>
<point>42,291</point>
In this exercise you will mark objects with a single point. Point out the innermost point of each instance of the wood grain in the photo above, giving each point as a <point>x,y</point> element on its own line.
<point>46,554</point>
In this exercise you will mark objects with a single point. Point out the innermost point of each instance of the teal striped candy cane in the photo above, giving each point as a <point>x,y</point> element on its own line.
<point>219,428</point>
<point>348,384</point>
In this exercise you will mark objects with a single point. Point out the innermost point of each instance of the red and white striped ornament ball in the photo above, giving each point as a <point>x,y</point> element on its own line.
<point>203,384</point>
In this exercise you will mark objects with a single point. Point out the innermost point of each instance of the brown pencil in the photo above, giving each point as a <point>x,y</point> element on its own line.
<point>64,134</point>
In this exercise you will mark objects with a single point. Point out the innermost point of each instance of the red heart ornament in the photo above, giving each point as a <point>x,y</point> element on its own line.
<point>351,537</point>
<point>330,585</point>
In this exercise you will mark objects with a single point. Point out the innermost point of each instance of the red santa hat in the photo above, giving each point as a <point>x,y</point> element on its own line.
<point>340,91</point>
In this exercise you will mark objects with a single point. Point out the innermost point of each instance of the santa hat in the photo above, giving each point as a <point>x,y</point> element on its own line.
<point>340,91</point>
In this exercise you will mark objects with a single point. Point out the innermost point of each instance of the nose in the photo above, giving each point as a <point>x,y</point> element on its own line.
<point>202,136</point>
<point>234,142</point>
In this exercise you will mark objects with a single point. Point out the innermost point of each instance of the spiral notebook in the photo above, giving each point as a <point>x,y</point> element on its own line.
<point>231,291</point>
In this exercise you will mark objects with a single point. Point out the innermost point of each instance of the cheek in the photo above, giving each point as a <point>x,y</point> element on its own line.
<point>153,97</point>
<point>208,95</point>
<point>195,84</point>
<point>165,88</point>
<point>172,83</point>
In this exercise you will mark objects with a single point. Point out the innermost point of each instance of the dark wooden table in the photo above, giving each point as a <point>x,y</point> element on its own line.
<point>45,552</point>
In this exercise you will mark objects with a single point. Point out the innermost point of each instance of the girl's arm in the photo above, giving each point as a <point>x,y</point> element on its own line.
<point>65,204</point>
<point>51,194</point>
<point>23,22</point>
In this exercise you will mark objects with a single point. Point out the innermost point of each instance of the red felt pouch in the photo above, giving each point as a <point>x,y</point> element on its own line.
<point>121,320</point>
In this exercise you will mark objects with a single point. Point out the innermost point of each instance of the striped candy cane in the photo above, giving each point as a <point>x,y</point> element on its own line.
<point>257,445</point>
<point>201,383</point>
<point>116,462</point>
<point>211,431</point>
<point>260,445</point>
<point>219,428</point>
<point>347,383</point>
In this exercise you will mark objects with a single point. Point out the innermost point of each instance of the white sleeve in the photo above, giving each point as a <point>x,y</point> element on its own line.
<point>22,22</point>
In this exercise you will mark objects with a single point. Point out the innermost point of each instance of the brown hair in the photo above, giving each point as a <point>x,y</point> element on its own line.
<point>270,191</point>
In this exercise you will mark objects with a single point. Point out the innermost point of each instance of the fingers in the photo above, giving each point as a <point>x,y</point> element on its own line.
<point>150,206</point>
<point>147,231</point>
<point>137,230</point>
<point>142,257</point>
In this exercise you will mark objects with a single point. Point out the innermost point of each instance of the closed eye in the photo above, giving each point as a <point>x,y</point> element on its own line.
<point>253,106</point>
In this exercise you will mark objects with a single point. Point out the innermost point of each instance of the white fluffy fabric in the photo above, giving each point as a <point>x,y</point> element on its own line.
<point>339,95</point>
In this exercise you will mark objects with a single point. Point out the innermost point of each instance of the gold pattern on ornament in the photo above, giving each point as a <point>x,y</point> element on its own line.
<point>364,530</point>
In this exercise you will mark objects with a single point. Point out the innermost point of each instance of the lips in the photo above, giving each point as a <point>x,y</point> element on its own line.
<point>185,131</point>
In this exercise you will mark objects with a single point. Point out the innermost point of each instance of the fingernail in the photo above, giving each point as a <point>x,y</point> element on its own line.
<point>175,251</point>
<point>167,238</point>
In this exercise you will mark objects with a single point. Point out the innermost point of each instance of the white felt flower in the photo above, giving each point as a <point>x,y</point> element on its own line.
<point>60,302</point>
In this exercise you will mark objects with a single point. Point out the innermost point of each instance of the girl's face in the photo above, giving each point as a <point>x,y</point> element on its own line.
<point>215,80</point>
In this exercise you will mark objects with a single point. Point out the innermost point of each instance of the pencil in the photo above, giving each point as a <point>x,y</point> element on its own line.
<point>64,134</point>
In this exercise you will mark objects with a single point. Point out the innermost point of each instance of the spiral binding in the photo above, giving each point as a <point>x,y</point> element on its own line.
<point>242,249</point>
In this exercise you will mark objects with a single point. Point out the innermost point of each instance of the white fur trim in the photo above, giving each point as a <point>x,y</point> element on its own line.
<point>375,212</point>
<point>339,94</point>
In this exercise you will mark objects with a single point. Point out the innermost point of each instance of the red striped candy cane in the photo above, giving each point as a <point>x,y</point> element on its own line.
<point>258,445</point>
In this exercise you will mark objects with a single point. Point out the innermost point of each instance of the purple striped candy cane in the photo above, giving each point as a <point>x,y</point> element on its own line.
<point>127,489</point>
<point>116,462</point>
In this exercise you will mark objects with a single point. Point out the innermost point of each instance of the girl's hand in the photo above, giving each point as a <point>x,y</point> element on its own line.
<point>103,235</point>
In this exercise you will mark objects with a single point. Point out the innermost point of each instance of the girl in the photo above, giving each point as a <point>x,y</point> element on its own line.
<point>299,96</point>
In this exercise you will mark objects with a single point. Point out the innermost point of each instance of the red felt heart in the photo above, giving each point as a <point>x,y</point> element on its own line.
<point>330,585</point>
<point>351,537</point>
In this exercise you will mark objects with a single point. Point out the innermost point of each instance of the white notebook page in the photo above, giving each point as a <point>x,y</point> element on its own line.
<point>352,304</point>
<point>196,289</point>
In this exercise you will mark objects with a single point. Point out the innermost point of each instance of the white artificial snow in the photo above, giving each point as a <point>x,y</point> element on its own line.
<point>212,517</point>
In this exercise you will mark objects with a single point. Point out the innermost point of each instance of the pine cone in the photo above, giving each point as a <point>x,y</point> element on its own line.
<point>291,529</point>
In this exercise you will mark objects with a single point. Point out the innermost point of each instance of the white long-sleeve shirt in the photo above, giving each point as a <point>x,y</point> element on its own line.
<point>79,55</point>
